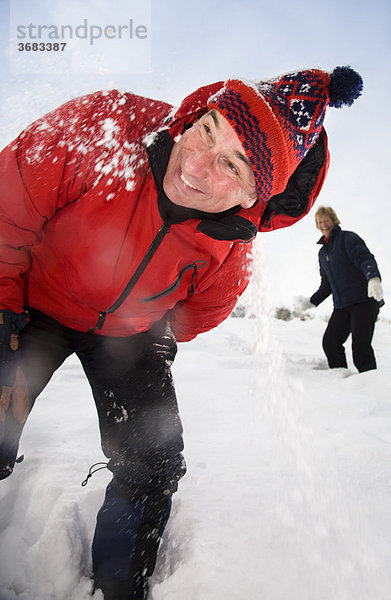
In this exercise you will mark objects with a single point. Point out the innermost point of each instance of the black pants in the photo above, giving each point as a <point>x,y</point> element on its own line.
<point>140,428</point>
<point>359,320</point>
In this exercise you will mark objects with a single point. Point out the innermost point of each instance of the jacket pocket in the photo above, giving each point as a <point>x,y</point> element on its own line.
<point>198,264</point>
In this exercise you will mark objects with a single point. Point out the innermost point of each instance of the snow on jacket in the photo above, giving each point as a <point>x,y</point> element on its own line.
<point>82,237</point>
<point>346,265</point>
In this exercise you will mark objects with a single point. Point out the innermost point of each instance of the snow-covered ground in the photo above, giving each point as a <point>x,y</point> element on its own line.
<point>287,495</point>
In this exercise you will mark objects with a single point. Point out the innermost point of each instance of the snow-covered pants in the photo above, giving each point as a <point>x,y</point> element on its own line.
<point>359,320</point>
<point>141,436</point>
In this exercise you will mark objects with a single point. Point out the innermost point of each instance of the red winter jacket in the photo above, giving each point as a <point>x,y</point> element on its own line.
<point>81,235</point>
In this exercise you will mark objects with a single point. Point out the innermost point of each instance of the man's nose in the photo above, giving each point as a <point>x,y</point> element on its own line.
<point>199,163</point>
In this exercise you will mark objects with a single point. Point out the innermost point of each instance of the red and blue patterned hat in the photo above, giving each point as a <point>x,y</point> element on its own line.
<point>279,120</point>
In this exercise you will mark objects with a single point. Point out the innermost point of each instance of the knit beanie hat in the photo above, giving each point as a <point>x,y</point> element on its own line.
<point>279,120</point>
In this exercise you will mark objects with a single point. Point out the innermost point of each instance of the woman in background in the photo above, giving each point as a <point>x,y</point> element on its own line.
<point>350,273</point>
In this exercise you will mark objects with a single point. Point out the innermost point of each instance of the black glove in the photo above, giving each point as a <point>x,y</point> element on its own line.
<point>14,396</point>
<point>10,325</point>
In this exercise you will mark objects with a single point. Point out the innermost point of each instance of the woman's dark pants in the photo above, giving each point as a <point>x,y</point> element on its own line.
<point>359,320</point>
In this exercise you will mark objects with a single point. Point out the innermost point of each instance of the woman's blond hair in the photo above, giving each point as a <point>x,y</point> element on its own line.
<point>326,211</point>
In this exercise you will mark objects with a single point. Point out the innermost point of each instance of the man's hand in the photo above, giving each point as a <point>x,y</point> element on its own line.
<point>15,399</point>
<point>375,289</point>
<point>301,303</point>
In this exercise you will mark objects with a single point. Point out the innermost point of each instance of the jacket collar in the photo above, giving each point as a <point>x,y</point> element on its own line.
<point>322,240</point>
<point>226,225</point>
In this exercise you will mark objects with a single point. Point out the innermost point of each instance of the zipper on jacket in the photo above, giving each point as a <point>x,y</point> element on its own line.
<point>159,237</point>
<point>195,265</point>
<point>193,275</point>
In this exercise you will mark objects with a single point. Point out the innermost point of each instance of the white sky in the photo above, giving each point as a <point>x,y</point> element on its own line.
<point>194,43</point>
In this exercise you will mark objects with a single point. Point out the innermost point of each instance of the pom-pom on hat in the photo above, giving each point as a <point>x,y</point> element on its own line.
<point>279,120</point>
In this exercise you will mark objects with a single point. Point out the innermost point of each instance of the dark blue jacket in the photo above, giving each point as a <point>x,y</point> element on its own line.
<point>346,265</point>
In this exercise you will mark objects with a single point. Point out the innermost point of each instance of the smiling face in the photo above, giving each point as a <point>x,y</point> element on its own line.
<point>325,224</point>
<point>208,169</point>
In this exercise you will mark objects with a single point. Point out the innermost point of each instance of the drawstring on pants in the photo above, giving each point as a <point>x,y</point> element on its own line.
<point>92,471</point>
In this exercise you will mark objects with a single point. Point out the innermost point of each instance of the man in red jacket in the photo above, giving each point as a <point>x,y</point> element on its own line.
<point>126,226</point>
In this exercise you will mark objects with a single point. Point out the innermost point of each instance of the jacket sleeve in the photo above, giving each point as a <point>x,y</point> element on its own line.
<point>31,171</point>
<point>324,289</point>
<point>215,298</point>
<point>359,254</point>
<point>52,163</point>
